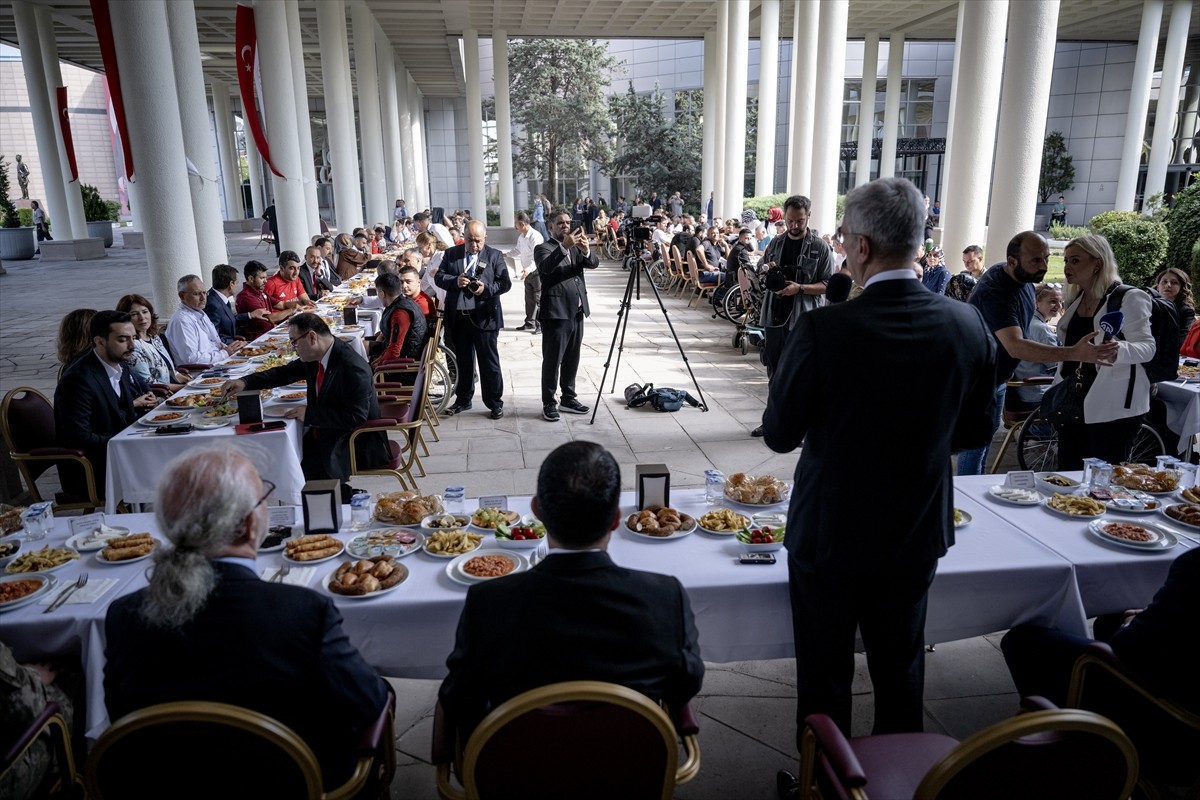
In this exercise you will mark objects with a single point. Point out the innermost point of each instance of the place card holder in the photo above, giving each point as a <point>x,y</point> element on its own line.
<point>653,485</point>
<point>321,502</point>
<point>372,291</point>
<point>350,315</point>
<point>249,405</point>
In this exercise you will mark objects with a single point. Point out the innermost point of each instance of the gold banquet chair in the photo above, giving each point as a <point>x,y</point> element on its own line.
<point>595,740</point>
<point>61,780</point>
<point>27,422</point>
<point>190,750</point>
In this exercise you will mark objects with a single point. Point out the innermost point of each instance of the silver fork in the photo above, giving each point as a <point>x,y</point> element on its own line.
<point>281,574</point>
<point>67,592</point>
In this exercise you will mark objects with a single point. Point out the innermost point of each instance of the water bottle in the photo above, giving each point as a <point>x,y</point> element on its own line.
<point>714,486</point>
<point>454,497</point>
<point>360,510</point>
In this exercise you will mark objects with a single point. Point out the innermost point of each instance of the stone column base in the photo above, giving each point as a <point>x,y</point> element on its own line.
<point>133,240</point>
<point>73,249</point>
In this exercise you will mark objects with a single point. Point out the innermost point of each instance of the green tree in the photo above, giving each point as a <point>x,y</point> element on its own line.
<point>557,90</point>
<point>660,153</point>
<point>8,212</point>
<point>1184,226</point>
<point>1058,169</point>
<point>1139,246</point>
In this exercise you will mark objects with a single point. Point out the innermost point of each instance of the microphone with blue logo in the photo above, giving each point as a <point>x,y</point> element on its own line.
<point>1111,324</point>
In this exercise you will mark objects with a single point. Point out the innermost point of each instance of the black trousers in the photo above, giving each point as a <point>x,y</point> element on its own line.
<point>1110,441</point>
<point>533,296</point>
<point>473,345</point>
<point>772,349</point>
<point>888,608</point>
<point>562,340</point>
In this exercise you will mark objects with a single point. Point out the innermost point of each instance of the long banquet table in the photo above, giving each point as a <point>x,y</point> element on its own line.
<point>1009,565</point>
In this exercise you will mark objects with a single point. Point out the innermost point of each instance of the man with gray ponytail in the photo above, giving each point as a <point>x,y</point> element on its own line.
<point>208,628</point>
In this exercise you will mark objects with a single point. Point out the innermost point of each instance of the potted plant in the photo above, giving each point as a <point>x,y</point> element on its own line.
<point>17,242</point>
<point>99,213</point>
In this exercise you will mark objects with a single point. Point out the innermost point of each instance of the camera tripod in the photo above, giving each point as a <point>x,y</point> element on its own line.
<point>618,341</point>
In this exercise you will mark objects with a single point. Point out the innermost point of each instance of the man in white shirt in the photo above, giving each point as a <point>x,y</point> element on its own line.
<point>422,222</point>
<point>662,238</point>
<point>522,254</point>
<point>191,335</point>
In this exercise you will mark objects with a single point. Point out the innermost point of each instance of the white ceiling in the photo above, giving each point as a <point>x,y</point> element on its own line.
<point>425,32</point>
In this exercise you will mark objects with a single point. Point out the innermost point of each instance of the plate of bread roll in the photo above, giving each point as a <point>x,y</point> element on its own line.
<point>312,549</point>
<point>127,549</point>
<point>365,578</point>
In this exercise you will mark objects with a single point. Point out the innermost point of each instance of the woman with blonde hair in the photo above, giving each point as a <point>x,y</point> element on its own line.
<point>1116,396</point>
<point>431,248</point>
<point>73,336</point>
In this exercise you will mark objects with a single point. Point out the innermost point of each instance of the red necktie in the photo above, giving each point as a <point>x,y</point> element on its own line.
<point>320,376</point>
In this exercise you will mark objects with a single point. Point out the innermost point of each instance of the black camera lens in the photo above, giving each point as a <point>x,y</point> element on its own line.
<point>775,280</point>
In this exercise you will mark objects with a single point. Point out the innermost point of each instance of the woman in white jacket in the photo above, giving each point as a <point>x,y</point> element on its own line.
<point>1117,396</point>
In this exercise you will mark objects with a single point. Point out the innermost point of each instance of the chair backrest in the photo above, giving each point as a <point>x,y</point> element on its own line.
<point>594,740</point>
<point>266,228</point>
<point>201,750</point>
<point>675,262</point>
<point>1042,754</point>
<point>27,421</point>
<point>1166,735</point>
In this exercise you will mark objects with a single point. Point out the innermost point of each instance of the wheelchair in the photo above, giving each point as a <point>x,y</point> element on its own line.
<point>1037,440</point>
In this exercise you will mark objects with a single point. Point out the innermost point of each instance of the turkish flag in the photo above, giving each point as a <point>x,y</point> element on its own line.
<point>108,54</point>
<point>246,38</point>
<point>64,123</point>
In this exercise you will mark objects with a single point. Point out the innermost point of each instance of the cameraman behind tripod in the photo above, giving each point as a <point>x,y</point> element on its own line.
<point>798,265</point>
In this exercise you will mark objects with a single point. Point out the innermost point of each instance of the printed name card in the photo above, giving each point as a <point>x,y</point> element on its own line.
<point>1021,479</point>
<point>499,501</point>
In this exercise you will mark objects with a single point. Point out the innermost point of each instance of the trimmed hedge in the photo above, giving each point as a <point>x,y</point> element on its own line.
<point>1184,226</point>
<point>1140,246</point>
<point>1067,232</point>
<point>760,205</point>
<point>1101,221</point>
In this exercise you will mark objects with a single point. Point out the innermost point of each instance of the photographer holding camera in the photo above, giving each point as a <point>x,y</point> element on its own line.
<point>799,265</point>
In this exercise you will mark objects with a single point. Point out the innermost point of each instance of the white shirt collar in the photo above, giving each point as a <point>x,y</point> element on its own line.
<point>114,373</point>
<point>891,275</point>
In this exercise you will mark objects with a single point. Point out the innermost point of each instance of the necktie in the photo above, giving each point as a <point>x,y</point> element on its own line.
<point>471,266</point>
<point>320,376</point>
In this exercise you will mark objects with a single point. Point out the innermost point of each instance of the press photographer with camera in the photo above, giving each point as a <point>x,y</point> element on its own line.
<point>799,265</point>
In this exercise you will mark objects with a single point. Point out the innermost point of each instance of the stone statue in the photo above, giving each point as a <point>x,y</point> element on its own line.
<point>23,178</point>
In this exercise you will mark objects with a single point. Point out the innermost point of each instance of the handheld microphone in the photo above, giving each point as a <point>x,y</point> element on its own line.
<point>1111,324</point>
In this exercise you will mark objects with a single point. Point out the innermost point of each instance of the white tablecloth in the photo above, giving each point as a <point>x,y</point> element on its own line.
<point>1183,409</point>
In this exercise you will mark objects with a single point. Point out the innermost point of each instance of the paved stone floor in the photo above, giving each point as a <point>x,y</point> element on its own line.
<point>746,710</point>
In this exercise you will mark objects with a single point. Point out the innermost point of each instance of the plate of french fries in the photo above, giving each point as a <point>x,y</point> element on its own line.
<point>1074,506</point>
<point>46,559</point>
<point>723,522</point>
<point>451,544</point>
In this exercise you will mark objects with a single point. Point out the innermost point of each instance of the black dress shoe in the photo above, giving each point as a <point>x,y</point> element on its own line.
<point>457,408</point>
<point>787,785</point>
<point>570,405</point>
<point>757,433</point>
<point>497,413</point>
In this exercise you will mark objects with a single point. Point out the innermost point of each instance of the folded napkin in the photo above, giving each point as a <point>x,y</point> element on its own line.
<point>93,591</point>
<point>299,576</point>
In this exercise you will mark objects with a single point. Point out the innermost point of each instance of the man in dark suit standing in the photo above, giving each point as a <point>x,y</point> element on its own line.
<point>869,565</point>
<point>596,621</point>
<point>341,397</point>
<point>474,276</point>
<point>97,397</point>
<point>564,304</point>
<point>207,628</point>
<point>219,306</point>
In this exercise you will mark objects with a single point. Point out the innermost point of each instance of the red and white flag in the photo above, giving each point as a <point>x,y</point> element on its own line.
<point>246,38</point>
<point>108,54</point>
<point>64,124</point>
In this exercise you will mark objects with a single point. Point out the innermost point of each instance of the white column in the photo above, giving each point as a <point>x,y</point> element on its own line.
<point>1139,104</point>
<point>504,166</point>
<point>1168,97</point>
<point>416,110</point>
<point>254,168</point>
<point>407,149</point>
<point>378,205</point>
<point>891,106</point>
<point>827,133</point>
<point>978,90</point>
<point>946,190</point>
<point>866,109</point>
<point>143,44</point>
<point>474,124</point>
<point>70,217</point>
<point>804,95</point>
<point>722,152</point>
<point>308,170</point>
<point>1025,99</point>
<point>197,143</point>
<point>44,119</point>
<point>768,80</point>
<point>735,107</point>
<point>279,97</point>
<point>339,114</point>
<point>385,58</point>
<point>231,176</point>
<point>708,149</point>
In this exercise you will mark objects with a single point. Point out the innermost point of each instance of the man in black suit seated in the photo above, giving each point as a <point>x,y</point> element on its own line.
<point>868,566</point>
<point>313,276</point>
<point>219,306</point>
<point>208,628</point>
<point>594,620</point>
<point>564,304</point>
<point>1157,643</point>
<point>97,397</point>
<point>474,276</point>
<point>341,397</point>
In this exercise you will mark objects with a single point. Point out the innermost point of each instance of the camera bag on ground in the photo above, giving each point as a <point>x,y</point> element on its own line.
<point>664,399</point>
